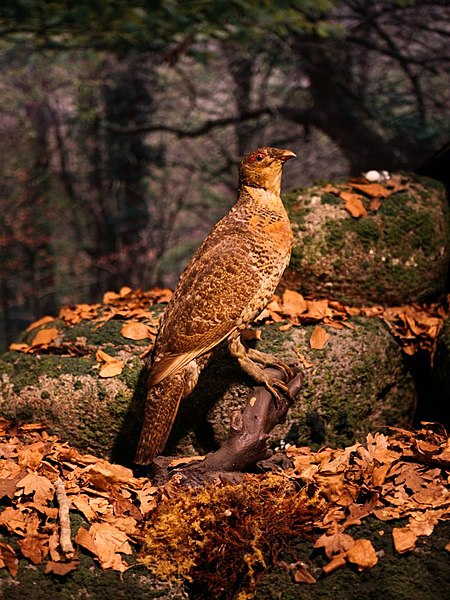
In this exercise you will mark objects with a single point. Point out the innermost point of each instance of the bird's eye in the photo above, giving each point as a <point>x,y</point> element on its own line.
<point>259,157</point>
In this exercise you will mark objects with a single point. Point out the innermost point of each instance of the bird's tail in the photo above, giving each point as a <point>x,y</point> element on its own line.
<point>163,400</point>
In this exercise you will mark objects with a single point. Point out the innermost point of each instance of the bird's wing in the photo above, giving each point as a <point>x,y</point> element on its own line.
<point>212,300</point>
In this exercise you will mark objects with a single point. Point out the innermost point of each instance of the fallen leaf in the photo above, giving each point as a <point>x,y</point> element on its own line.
<point>353,204</point>
<point>317,309</point>
<point>319,338</point>
<point>34,547</point>
<point>111,369</point>
<point>9,559</point>
<point>293,303</point>
<point>337,543</point>
<point>302,575</point>
<point>45,336</point>
<point>404,539</point>
<point>135,330</point>
<point>84,539</point>
<point>60,568</point>
<point>41,487</point>
<point>18,347</point>
<point>372,189</point>
<point>362,554</point>
<point>39,322</point>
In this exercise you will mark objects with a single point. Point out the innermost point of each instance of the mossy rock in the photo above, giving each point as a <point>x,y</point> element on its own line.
<point>358,383</point>
<point>66,392</point>
<point>441,374</point>
<point>398,254</point>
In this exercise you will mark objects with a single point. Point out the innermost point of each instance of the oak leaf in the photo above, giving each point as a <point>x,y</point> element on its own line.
<point>353,204</point>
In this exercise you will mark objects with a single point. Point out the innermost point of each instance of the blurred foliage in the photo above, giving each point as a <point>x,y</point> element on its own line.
<point>122,123</point>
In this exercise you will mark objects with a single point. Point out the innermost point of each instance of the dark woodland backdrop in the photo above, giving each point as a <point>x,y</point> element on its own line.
<point>122,123</point>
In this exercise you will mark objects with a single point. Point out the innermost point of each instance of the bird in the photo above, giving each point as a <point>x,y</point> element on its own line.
<point>225,286</point>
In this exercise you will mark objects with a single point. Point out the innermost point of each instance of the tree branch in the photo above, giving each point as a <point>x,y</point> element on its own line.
<point>249,432</point>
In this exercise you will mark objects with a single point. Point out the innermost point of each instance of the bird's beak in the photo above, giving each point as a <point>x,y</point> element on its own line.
<point>287,154</point>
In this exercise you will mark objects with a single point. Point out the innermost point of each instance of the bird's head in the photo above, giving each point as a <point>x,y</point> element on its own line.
<point>262,168</point>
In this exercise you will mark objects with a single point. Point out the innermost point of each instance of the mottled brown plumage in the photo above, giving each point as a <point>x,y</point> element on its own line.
<point>228,282</point>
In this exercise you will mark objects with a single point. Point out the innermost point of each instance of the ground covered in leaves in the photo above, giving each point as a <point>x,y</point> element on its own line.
<point>220,537</point>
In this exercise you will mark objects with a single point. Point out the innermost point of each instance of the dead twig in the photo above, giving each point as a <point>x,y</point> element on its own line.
<point>65,540</point>
<point>247,443</point>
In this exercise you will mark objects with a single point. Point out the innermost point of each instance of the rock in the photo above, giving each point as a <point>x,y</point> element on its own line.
<point>67,393</point>
<point>440,383</point>
<point>358,383</point>
<point>395,255</point>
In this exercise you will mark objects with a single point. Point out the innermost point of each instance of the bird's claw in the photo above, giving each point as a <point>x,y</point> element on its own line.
<point>280,391</point>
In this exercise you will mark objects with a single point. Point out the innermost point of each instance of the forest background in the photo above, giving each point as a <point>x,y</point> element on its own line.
<point>122,124</point>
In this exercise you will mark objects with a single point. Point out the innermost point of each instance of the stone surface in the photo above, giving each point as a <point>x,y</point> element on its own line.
<point>357,383</point>
<point>398,254</point>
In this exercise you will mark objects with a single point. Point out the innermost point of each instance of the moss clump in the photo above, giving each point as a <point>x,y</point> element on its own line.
<point>395,255</point>
<point>221,538</point>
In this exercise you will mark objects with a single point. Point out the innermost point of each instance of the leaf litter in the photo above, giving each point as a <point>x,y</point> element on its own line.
<point>415,326</point>
<point>401,476</point>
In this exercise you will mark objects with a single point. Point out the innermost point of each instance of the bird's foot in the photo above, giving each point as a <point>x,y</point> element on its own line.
<point>280,392</point>
<point>269,360</point>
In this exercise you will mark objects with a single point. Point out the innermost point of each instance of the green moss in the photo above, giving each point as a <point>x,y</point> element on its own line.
<point>327,198</point>
<point>366,229</point>
<point>335,235</point>
<point>109,333</point>
<point>25,369</point>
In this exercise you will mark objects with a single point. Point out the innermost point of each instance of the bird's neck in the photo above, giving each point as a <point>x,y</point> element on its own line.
<point>264,197</point>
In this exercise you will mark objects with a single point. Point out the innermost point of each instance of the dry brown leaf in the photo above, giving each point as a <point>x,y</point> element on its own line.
<point>111,369</point>
<point>34,547</point>
<point>19,347</point>
<point>293,303</point>
<point>336,543</point>
<point>373,190</point>
<point>45,336</point>
<point>302,575</point>
<point>31,455</point>
<point>362,554</point>
<point>318,309</point>
<point>39,322</point>
<point>135,330</point>
<point>353,204</point>
<point>60,568</point>
<point>81,503</point>
<point>9,559</point>
<point>319,338</point>
<point>41,487</point>
<point>404,539</point>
